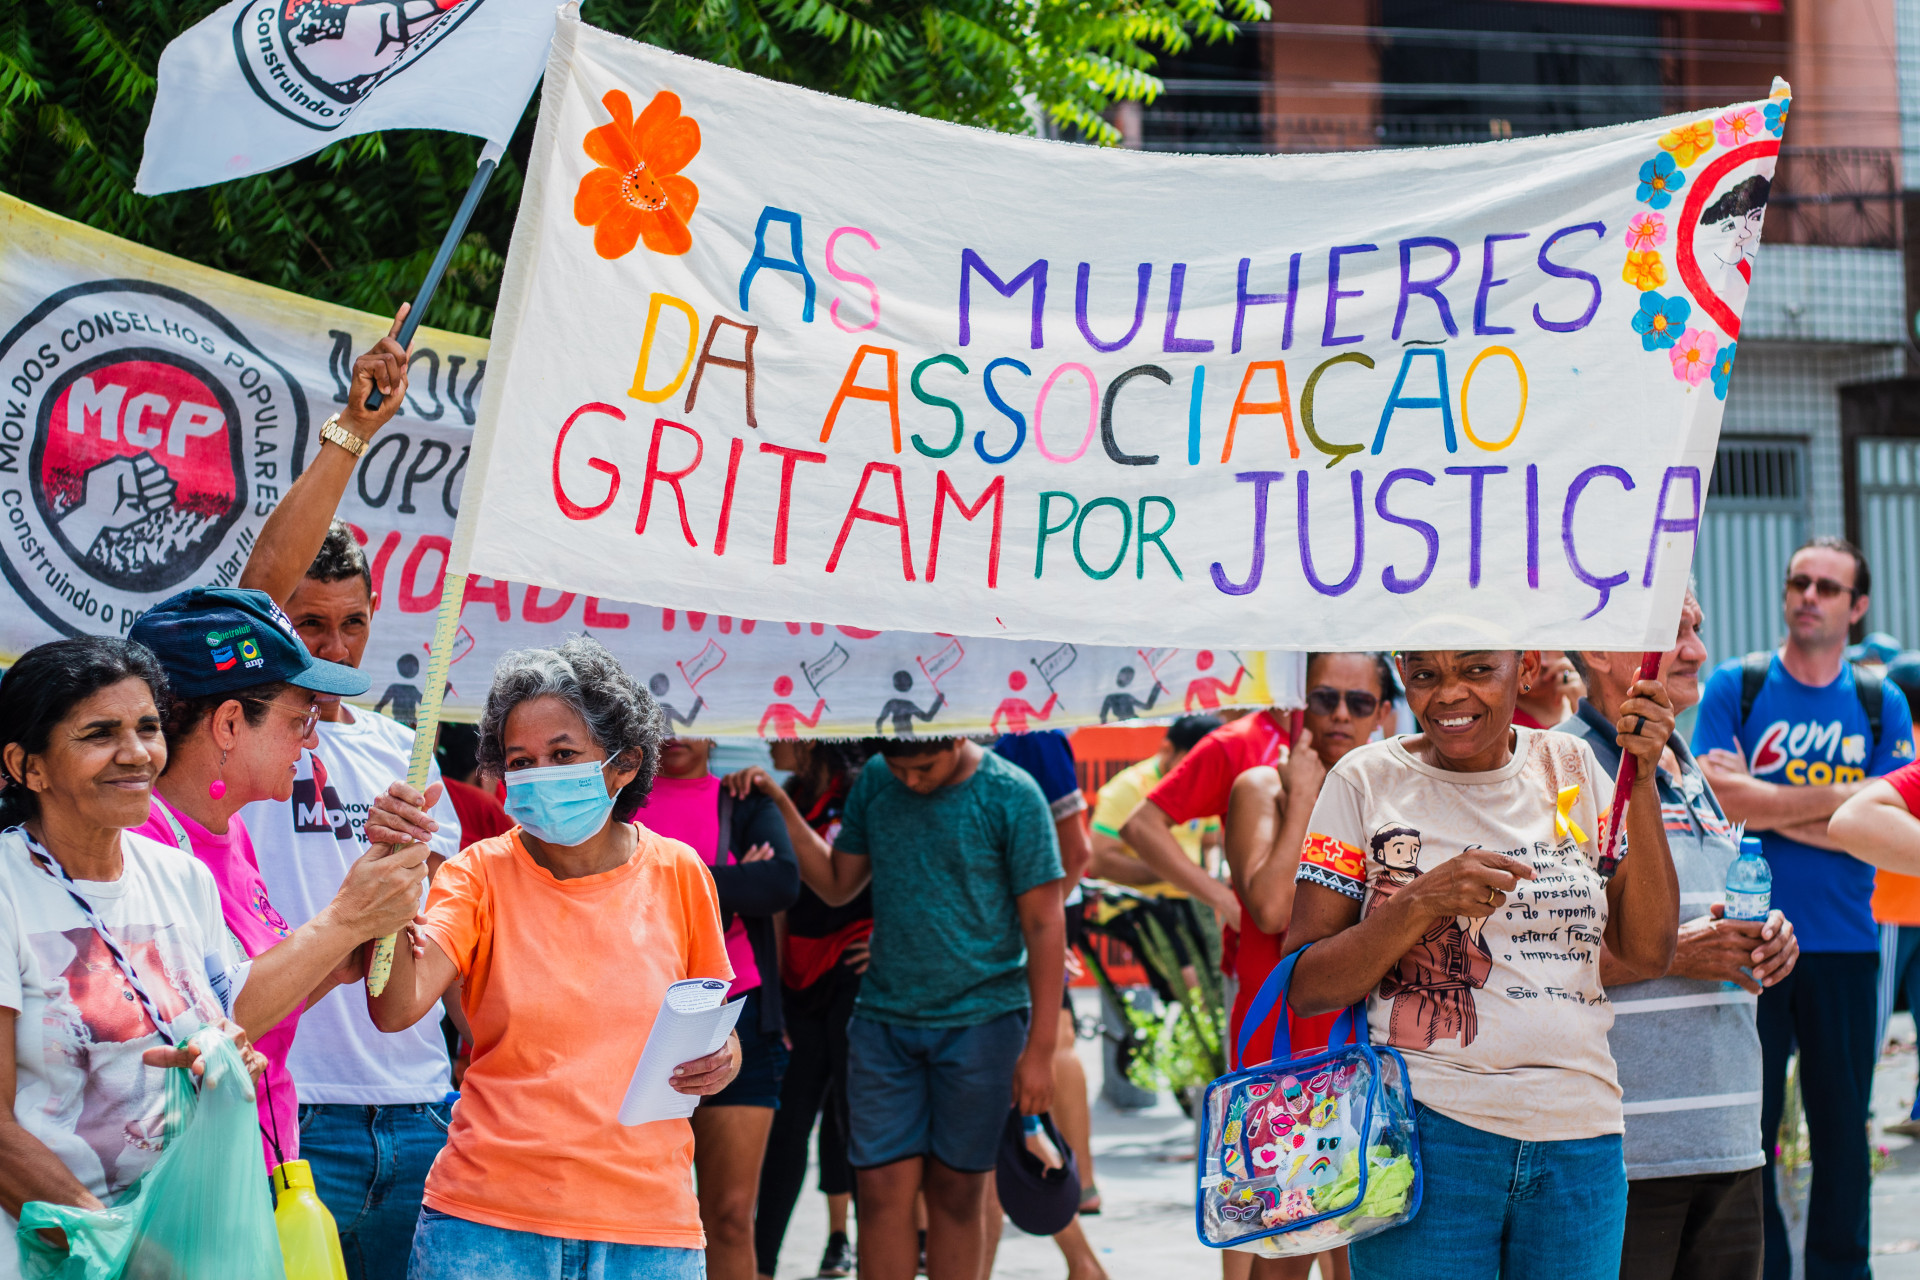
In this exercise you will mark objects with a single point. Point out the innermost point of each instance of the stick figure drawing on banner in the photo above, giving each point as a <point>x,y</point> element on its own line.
<point>658,685</point>
<point>403,694</point>
<point>1122,705</point>
<point>1016,711</point>
<point>785,715</point>
<point>903,711</point>
<point>1209,690</point>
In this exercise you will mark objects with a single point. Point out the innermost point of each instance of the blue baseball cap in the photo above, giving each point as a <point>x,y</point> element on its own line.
<point>223,639</point>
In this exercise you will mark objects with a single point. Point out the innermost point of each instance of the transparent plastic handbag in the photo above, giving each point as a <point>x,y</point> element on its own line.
<point>203,1210</point>
<point>1300,1155</point>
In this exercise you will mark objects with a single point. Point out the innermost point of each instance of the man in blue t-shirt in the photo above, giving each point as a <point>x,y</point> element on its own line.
<point>1802,749</point>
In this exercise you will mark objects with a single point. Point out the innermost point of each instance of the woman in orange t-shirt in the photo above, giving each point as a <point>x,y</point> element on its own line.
<point>568,931</point>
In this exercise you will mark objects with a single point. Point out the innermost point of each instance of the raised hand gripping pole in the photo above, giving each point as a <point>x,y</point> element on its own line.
<point>1629,772</point>
<point>426,728</point>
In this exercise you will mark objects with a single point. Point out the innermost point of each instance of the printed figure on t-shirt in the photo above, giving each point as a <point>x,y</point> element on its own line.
<point>658,685</point>
<point>785,715</point>
<point>1432,987</point>
<point>1121,705</point>
<point>100,1009</point>
<point>903,711</point>
<point>1017,711</point>
<point>1208,691</point>
<point>405,698</point>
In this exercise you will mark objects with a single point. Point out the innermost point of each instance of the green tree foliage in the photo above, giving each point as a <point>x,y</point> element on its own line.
<point>358,223</point>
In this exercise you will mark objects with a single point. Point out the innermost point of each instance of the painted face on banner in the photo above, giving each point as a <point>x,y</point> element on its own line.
<point>143,439</point>
<point>314,60</point>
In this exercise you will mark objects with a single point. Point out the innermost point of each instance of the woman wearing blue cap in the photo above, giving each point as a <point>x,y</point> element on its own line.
<point>240,712</point>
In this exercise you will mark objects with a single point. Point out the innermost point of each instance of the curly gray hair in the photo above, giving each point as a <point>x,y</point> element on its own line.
<point>620,714</point>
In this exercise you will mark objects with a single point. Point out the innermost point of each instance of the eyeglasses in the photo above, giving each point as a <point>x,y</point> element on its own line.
<point>1828,588</point>
<point>307,718</point>
<point>1325,700</point>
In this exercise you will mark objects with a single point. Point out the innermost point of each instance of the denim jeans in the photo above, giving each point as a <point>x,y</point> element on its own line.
<point>369,1167</point>
<point>450,1248</point>
<point>1495,1206</point>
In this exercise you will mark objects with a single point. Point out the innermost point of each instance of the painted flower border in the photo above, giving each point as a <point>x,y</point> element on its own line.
<point>1696,353</point>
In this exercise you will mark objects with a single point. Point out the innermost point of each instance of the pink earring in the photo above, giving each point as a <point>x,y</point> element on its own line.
<point>218,787</point>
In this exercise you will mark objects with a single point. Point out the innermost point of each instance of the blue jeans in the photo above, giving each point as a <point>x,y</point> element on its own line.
<point>1495,1206</point>
<point>450,1248</point>
<point>369,1166</point>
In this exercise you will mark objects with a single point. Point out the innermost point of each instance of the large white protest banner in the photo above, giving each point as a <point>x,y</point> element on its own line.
<point>260,83</point>
<point>153,412</point>
<point>763,350</point>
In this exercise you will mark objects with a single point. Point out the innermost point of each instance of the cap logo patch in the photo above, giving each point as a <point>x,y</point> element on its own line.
<point>221,637</point>
<point>223,659</point>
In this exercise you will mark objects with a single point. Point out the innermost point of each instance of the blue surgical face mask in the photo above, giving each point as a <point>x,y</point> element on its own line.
<point>563,804</point>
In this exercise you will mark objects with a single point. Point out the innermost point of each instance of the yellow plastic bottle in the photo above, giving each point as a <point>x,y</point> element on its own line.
<point>309,1241</point>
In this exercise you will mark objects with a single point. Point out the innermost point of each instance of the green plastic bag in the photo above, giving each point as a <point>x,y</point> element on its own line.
<point>203,1210</point>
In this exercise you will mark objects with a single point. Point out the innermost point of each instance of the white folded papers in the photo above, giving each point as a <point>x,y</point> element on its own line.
<point>694,1021</point>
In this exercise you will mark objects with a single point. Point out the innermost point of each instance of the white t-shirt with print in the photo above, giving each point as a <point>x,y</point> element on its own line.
<point>304,848</point>
<point>81,1087</point>
<point>1502,1020</point>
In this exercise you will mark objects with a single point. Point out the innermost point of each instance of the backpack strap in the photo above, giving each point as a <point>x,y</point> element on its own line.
<point>1871,688</point>
<point>1753,675</point>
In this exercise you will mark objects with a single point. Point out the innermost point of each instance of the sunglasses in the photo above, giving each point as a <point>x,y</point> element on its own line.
<point>1828,588</point>
<point>1324,701</point>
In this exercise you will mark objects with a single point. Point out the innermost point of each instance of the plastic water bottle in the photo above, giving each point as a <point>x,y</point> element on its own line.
<point>1749,883</point>
<point>309,1241</point>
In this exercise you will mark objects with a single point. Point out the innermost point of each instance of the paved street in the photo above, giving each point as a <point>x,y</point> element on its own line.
<point>1144,1166</point>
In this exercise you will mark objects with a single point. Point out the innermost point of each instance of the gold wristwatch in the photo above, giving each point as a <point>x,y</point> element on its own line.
<point>332,430</point>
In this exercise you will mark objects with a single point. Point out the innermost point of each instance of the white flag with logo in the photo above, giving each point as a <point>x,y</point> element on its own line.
<point>261,83</point>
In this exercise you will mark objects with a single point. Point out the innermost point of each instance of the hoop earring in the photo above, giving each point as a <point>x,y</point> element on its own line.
<point>218,787</point>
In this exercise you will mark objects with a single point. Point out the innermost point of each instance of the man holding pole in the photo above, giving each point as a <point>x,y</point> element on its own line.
<point>372,1113</point>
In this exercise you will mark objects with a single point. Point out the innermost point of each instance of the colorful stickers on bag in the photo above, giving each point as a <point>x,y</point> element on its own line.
<point>1282,1141</point>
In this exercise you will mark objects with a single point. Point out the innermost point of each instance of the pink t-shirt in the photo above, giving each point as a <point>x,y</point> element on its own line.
<point>257,927</point>
<point>688,809</point>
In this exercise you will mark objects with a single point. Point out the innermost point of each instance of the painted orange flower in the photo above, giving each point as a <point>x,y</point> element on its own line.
<point>636,192</point>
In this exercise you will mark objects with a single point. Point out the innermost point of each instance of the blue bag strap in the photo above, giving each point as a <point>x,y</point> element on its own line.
<point>1349,1028</point>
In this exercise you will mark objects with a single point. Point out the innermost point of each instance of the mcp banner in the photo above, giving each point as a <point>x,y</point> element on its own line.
<point>153,412</point>
<point>769,352</point>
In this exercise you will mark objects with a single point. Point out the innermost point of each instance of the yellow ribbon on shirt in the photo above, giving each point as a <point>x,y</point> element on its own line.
<point>1563,823</point>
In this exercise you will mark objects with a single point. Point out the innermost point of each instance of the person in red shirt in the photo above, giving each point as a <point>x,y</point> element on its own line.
<point>1243,773</point>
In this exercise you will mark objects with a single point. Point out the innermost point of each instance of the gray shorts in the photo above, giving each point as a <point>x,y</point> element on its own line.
<point>931,1091</point>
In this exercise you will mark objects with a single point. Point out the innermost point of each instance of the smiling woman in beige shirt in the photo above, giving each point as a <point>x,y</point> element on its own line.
<point>1453,880</point>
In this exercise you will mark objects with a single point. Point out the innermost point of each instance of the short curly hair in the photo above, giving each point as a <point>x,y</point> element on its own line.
<point>619,712</point>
